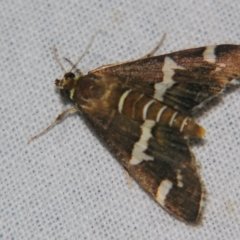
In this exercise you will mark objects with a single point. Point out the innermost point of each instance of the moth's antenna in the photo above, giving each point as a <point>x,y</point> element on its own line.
<point>54,50</point>
<point>86,50</point>
<point>73,66</point>
<point>69,61</point>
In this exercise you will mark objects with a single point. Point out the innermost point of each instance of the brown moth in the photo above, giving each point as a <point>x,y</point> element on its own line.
<point>143,111</point>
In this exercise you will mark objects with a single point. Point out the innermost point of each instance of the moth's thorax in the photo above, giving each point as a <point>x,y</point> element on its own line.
<point>97,94</point>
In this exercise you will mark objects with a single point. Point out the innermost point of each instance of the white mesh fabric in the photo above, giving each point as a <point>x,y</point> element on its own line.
<point>66,185</point>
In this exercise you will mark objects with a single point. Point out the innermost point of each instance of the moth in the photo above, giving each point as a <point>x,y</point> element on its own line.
<point>144,111</point>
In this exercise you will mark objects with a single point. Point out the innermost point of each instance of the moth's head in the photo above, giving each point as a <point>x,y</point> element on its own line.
<point>67,85</point>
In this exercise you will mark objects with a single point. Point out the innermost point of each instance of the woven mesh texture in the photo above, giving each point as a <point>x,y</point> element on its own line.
<point>66,185</point>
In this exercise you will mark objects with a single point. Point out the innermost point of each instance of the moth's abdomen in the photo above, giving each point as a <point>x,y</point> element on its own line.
<point>141,107</point>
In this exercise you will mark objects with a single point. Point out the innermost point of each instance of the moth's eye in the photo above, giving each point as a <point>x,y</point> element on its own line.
<point>69,75</point>
<point>65,92</point>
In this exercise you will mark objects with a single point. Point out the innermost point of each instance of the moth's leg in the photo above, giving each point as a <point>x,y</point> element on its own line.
<point>57,120</point>
<point>151,54</point>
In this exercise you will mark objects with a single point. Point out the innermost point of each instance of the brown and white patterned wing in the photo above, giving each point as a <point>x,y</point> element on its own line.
<point>158,157</point>
<point>183,80</point>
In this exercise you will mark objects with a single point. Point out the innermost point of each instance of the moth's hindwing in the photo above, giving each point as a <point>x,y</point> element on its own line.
<point>141,109</point>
